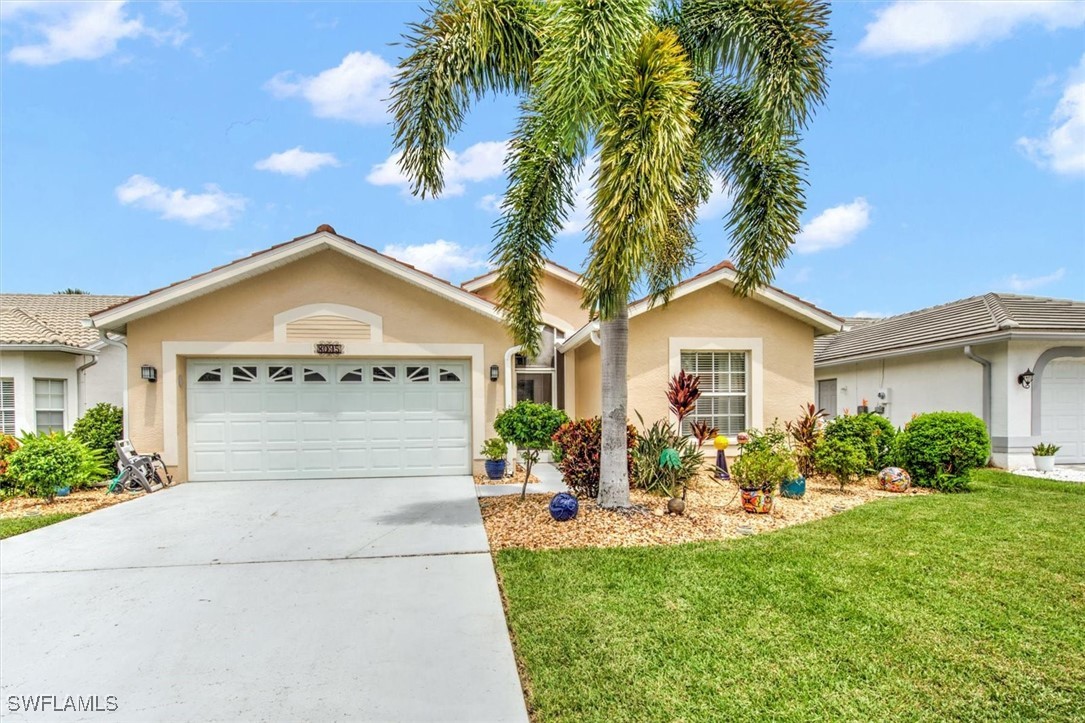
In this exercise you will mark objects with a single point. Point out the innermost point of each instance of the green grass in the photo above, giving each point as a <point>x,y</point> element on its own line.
<point>967,606</point>
<point>19,525</point>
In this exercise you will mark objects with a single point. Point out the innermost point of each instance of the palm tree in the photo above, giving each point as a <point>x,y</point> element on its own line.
<point>668,95</point>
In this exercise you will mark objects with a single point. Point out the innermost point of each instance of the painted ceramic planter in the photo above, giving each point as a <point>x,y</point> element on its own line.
<point>1043,464</point>
<point>794,488</point>
<point>758,502</point>
<point>495,468</point>
<point>894,479</point>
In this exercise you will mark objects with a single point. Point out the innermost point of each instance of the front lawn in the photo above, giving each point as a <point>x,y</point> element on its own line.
<point>18,525</point>
<point>967,606</point>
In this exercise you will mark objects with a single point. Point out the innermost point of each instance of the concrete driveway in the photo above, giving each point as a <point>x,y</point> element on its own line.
<point>262,601</point>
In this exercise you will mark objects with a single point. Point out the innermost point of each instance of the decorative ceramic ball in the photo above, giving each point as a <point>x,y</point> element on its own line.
<point>894,479</point>
<point>563,507</point>
<point>721,442</point>
<point>743,438</point>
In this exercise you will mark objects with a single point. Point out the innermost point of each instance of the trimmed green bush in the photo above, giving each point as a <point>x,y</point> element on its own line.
<point>99,427</point>
<point>872,434</point>
<point>45,462</point>
<point>840,458</point>
<point>530,427</point>
<point>763,468</point>
<point>940,449</point>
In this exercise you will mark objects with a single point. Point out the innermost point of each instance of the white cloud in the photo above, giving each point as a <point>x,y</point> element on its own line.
<point>930,27</point>
<point>213,209</point>
<point>1062,148</point>
<point>719,201</point>
<point>296,162</point>
<point>479,162</point>
<point>491,202</point>
<point>834,227</point>
<point>81,30</point>
<point>445,259</point>
<point>870,314</point>
<point>1019,284</point>
<point>354,90</point>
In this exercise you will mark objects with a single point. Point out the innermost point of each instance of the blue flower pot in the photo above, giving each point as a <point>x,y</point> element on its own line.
<point>794,488</point>
<point>563,507</point>
<point>63,491</point>
<point>495,468</point>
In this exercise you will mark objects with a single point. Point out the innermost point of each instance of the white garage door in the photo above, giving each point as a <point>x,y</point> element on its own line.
<point>303,418</point>
<point>1062,408</point>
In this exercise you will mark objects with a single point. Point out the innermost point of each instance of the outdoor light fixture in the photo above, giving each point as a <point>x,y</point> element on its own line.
<point>495,372</point>
<point>148,372</point>
<point>1025,379</point>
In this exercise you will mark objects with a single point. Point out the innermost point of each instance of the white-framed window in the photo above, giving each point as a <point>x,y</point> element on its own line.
<point>49,405</point>
<point>7,406</point>
<point>724,397</point>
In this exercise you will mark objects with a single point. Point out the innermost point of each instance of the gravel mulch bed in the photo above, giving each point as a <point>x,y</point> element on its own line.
<point>518,478</point>
<point>77,503</point>
<point>713,512</point>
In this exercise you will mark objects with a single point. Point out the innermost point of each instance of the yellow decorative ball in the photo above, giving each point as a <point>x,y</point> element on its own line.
<point>721,442</point>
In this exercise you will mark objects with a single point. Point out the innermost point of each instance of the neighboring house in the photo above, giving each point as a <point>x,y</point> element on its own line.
<point>321,357</point>
<point>972,355</point>
<point>52,367</point>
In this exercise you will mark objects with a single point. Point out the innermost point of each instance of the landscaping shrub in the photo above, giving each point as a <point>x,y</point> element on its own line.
<point>578,445</point>
<point>763,468</point>
<point>651,441</point>
<point>45,462</point>
<point>530,427</point>
<point>773,438</point>
<point>940,449</point>
<point>99,427</point>
<point>8,444</point>
<point>872,434</point>
<point>840,458</point>
<point>805,433</point>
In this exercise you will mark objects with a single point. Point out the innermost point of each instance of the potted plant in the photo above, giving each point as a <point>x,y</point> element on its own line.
<point>757,474</point>
<point>1043,456</point>
<point>494,450</point>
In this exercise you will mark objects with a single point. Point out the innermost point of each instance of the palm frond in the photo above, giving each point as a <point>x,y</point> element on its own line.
<point>462,50</point>
<point>778,47</point>
<point>644,146</point>
<point>587,45</point>
<point>535,206</point>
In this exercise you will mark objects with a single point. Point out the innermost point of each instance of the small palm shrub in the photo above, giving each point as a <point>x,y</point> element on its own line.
<point>648,474</point>
<point>839,458</point>
<point>872,434</point>
<point>578,444</point>
<point>940,449</point>
<point>99,427</point>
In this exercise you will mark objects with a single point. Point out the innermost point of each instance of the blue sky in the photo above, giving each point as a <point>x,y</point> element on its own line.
<point>145,142</point>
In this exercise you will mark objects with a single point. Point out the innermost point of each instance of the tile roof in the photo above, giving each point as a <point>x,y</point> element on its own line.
<point>50,319</point>
<point>956,321</point>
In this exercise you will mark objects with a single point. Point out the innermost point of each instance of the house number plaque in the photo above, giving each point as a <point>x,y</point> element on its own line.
<point>328,348</point>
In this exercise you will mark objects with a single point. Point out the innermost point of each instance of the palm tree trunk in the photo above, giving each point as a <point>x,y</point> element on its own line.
<point>613,466</point>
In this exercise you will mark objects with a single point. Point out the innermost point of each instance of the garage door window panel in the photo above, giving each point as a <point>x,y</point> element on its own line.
<point>280,374</point>
<point>245,374</point>
<point>209,376</point>
<point>384,374</point>
<point>352,375</point>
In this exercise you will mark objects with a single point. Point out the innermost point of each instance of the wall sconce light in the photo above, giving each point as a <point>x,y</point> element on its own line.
<point>1025,378</point>
<point>495,372</point>
<point>148,372</point>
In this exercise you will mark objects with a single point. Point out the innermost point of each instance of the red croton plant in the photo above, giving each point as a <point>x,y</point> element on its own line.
<point>682,395</point>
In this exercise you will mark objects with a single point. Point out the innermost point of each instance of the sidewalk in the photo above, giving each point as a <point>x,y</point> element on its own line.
<point>549,484</point>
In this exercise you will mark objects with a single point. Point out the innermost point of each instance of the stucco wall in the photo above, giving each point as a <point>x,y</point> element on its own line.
<point>714,313</point>
<point>244,312</point>
<point>560,298</point>
<point>24,367</point>
<point>105,381</point>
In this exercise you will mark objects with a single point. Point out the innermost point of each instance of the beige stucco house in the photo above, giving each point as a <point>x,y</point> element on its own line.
<point>321,357</point>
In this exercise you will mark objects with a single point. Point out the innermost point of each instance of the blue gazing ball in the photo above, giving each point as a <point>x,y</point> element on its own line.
<point>563,507</point>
